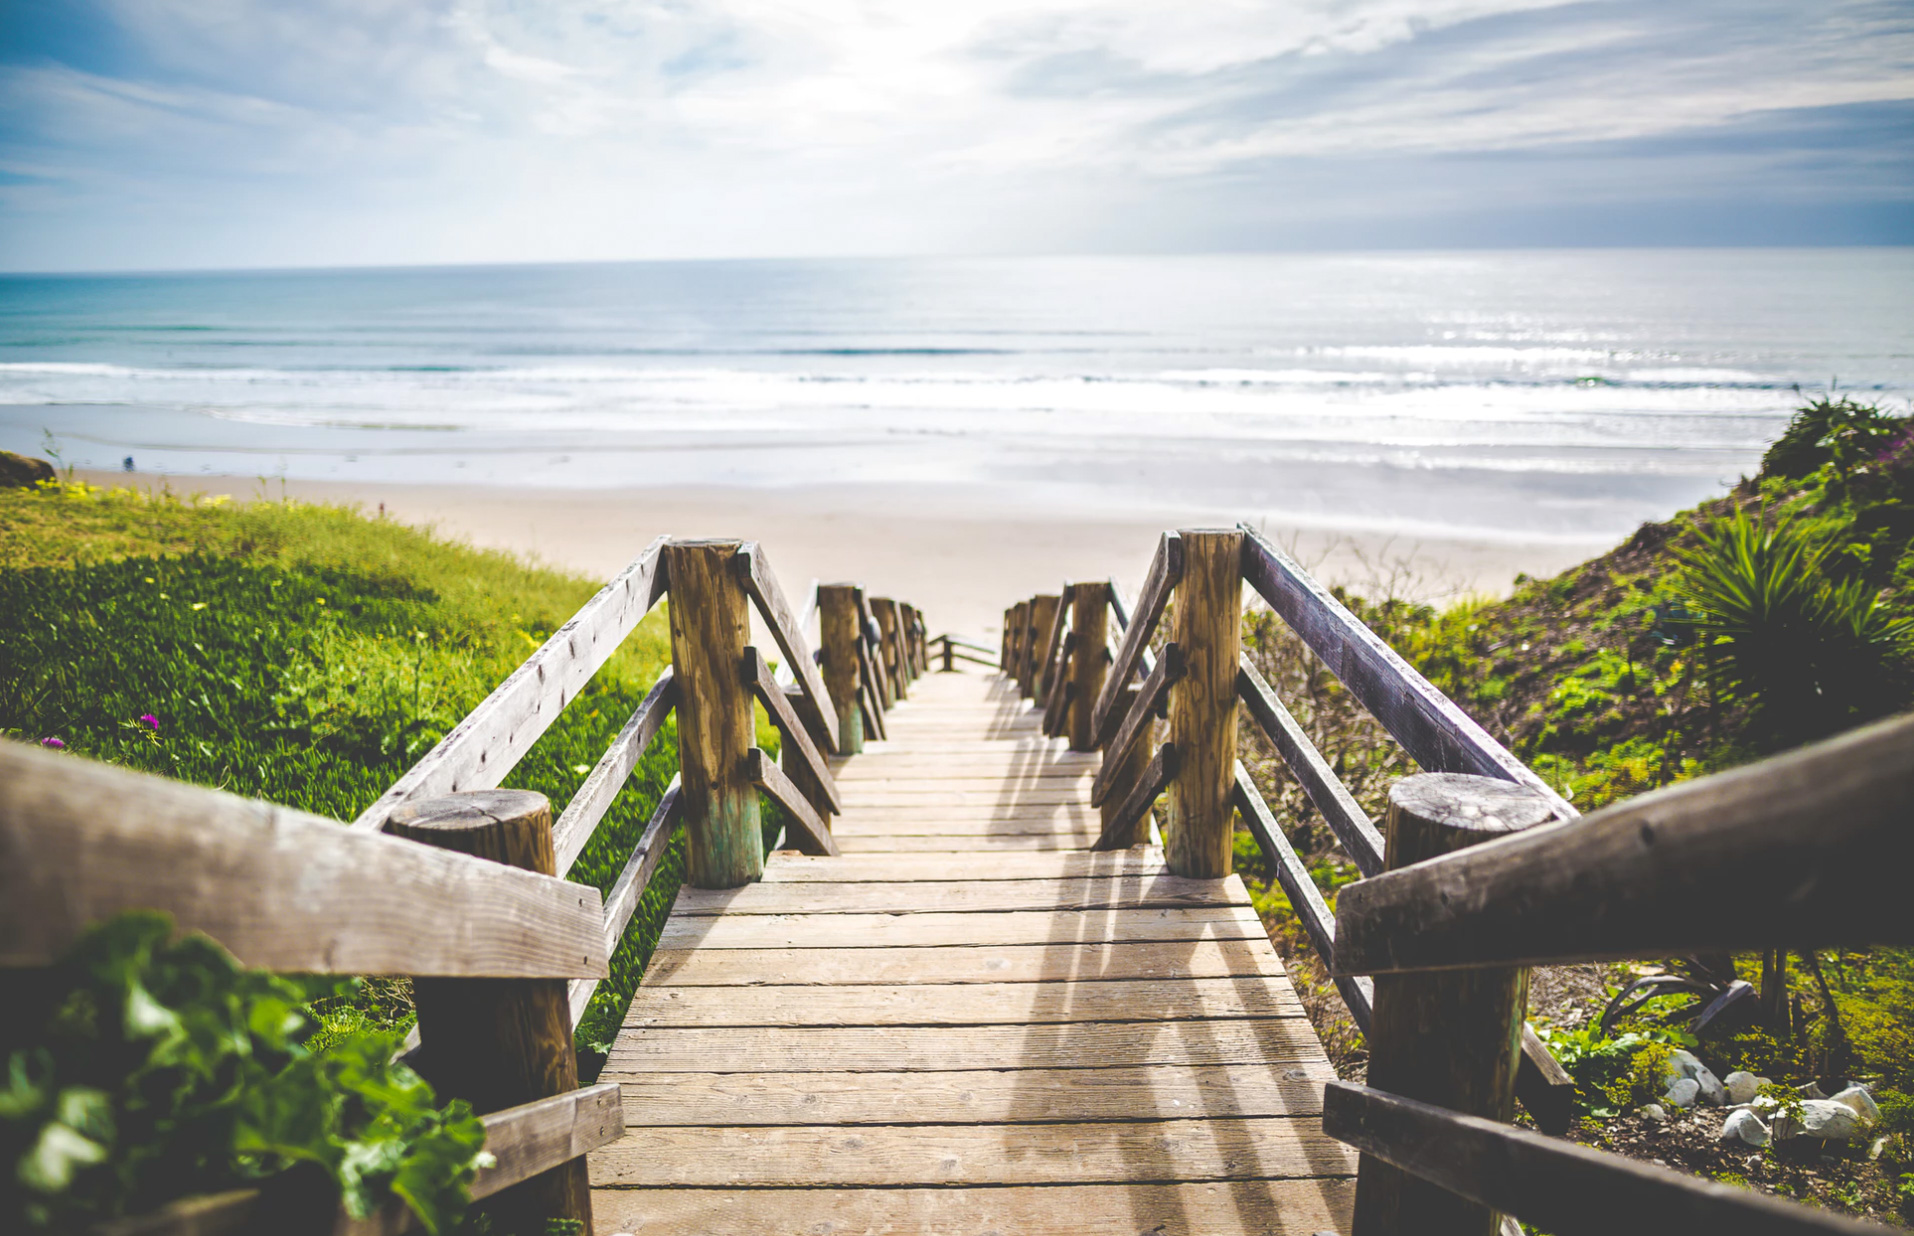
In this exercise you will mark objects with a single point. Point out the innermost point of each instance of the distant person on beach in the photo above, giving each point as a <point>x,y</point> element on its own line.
<point>128,465</point>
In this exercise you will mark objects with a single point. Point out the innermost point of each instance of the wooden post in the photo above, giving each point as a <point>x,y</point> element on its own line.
<point>497,1043</point>
<point>1003,652</point>
<point>950,655</point>
<point>1129,772</point>
<point>1201,813</point>
<point>1448,1037</point>
<point>1089,618</point>
<point>1043,612</point>
<point>710,623</point>
<point>891,645</point>
<point>1019,619</point>
<point>837,635</point>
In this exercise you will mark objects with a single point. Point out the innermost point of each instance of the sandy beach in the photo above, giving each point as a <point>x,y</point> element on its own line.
<point>958,555</point>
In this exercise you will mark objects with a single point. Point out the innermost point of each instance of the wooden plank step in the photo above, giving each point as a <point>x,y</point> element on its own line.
<point>943,844</point>
<point>961,1004</point>
<point>1087,893</point>
<point>1269,1208</point>
<point>1027,963</point>
<point>1284,1041</point>
<point>1255,1148</point>
<point>1063,929</point>
<point>974,1096</point>
<point>788,866</point>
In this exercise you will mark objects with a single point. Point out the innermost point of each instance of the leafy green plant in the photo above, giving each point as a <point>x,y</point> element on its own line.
<point>143,1069</point>
<point>1808,653</point>
<point>1843,432</point>
<point>1614,1074</point>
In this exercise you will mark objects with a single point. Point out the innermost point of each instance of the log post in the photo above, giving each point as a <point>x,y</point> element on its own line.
<point>1019,619</point>
<point>497,1043</point>
<point>1128,773</point>
<point>1003,650</point>
<point>871,640</point>
<point>1448,1037</point>
<point>1201,814</point>
<point>837,636</point>
<point>1089,618</point>
<point>710,624</point>
<point>950,655</point>
<point>1042,612</point>
<point>891,645</point>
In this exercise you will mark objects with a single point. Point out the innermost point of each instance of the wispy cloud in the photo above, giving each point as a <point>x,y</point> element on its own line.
<point>471,129</point>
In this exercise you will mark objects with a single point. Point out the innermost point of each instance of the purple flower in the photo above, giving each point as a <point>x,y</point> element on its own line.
<point>150,721</point>
<point>55,743</point>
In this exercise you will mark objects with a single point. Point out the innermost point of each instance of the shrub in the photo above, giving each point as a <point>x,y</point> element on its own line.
<point>1805,652</point>
<point>1842,432</point>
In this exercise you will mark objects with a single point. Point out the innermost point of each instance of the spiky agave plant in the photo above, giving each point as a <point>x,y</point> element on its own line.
<point>1806,653</point>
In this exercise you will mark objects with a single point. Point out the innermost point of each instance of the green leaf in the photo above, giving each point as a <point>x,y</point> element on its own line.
<point>57,1155</point>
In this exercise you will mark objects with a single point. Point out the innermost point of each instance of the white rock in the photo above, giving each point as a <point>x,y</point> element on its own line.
<point>1811,1091</point>
<point>1653,1111</point>
<point>1861,1101</point>
<point>1741,1086</point>
<point>1744,1125</point>
<point>1822,1118</point>
<point>1683,1091</point>
<point>1684,1064</point>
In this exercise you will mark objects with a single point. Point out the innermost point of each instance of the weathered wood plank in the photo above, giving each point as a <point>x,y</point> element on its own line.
<point>976,1096</point>
<point>926,793</point>
<point>482,749</point>
<point>1064,928</point>
<point>765,687</point>
<point>1435,732</point>
<point>1144,707</point>
<point>762,583</point>
<point>764,773</point>
<point>1198,817</point>
<point>1050,641</point>
<point>980,843</point>
<point>574,828</point>
<point>1077,822</point>
<point>785,867</point>
<point>960,1004</point>
<point>80,842</point>
<point>1268,1208</point>
<point>1555,1184</point>
<point>1805,849</point>
<point>1338,807</point>
<point>622,902</point>
<point>1262,1148</point>
<point>1033,963</point>
<point>538,1136</point>
<point>710,619</point>
<point>1166,569</point>
<point>1282,1041</point>
<point>1086,893</point>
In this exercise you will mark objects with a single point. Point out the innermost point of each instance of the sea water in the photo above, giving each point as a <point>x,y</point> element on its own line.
<point>1506,395</point>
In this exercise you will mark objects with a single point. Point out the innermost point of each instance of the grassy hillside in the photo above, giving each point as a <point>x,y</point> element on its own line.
<point>304,654</point>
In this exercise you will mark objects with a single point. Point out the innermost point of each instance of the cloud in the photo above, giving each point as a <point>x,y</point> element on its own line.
<point>480,129</point>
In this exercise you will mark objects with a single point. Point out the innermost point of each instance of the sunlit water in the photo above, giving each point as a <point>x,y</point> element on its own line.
<point>1527,396</point>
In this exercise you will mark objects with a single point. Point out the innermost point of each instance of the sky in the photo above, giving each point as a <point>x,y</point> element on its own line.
<point>176,134</point>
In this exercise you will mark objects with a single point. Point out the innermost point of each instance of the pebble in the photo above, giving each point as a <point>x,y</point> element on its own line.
<point>1653,1111</point>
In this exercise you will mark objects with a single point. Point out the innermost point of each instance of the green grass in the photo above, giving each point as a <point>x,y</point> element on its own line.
<point>308,655</point>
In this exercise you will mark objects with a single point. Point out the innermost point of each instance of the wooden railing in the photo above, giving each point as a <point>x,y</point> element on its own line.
<point>1430,949</point>
<point>452,881</point>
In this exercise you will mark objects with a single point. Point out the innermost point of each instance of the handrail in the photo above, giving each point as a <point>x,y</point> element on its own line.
<point>484,747</point>
<point>762,771</point>
<point>757,675</point>
<point>1148,703</point>
<point>814,705</point>
<point>588,806</point>
<point>629,889</point>
<point>1436,733</point>
<point>1052,643</point>
<point>1331,797</point>
<point>1136,804</point>
<point>1056,701</point>
<point>81,842</point>
<point>1166,569</point>
<point>1805,849</point>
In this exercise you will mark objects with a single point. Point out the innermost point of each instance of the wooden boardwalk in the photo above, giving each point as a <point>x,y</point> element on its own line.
<point>969,1024</point>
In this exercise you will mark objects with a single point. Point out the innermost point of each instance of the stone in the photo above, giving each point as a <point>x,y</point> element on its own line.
<point>1653,1111</point>
<point>20,471</point>
<point>1743,1125</point>
<point>1741,1086</point>
<point>1683,1091</point>
<point>1822,1118</point>
<point>1857,1098</point>
<point>1684,1064</point>
<point>1811,1091</point>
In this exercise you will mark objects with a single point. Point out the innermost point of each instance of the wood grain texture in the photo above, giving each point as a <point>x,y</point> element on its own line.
<point>537,1136</point>
<point>1267,1208</point>
<point>1089,622</point>
<point>81,842</point>
<point>777,704</point>
<point>1804,849</point>
<point>1166,570</point>
<point>1199,815</point>
<point>710,622</point>
<point>574,828</point>
<point>871,640</point>
<point>1124,826</point>
<point>1436,733</point>
<point>837,634</point>
<point>1044,609</point>
<point>762,583</point>
<point>890,645</point>
<point>1554,1184</point>
<point>891,869</point>
<point>1033,963</point>
<point>1050,643</point>
<point>764,773</point>
<point>481,750</point>
<point>971,896</point>
<point>1010,927</point>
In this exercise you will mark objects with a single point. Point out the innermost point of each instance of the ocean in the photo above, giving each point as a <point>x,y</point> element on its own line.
<point>1523,396</point>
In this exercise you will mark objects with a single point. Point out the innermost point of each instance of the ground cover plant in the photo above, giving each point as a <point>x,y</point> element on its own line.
<point>308,654</point>
<point>1772,616</point>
